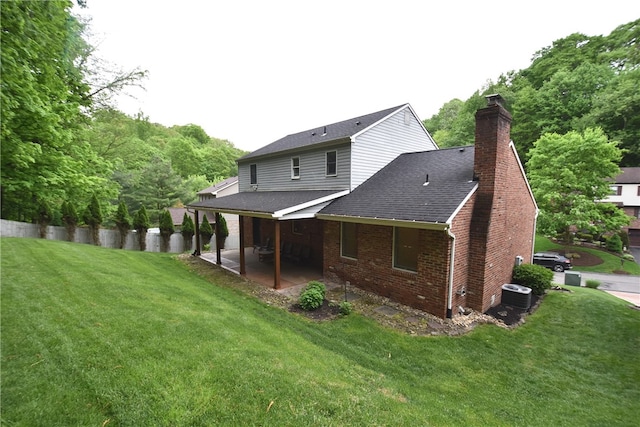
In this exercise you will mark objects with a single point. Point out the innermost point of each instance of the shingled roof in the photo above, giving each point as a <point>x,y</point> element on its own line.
<point>628,176</point>
<point>398,191</point>
<point>323,134</point>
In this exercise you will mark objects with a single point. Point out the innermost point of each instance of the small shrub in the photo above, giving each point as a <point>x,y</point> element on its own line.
<point>593,284</point>
<point>533,276</point>
<point>628,257</point>
<point>346,308</point>
<point>312,296</point>
<point>614,243</point>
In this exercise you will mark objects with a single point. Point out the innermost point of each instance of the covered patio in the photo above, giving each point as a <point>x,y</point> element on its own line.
<point>293,276</point>
<point>282,224</point>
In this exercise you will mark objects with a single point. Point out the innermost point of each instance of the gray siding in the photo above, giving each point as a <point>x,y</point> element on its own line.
<point>274,173</point>
<point>378,146</point>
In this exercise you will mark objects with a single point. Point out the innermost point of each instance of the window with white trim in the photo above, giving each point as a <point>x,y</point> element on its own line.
<point>295,168</point>
<point>405,248</point>
<point>254,173</point>
<point>331,163</point>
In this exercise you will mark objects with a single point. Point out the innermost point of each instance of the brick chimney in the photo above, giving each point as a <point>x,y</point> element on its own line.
<point>487,231</point>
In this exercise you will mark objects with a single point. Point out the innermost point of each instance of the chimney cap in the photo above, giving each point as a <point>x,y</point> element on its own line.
<point>495,99</point>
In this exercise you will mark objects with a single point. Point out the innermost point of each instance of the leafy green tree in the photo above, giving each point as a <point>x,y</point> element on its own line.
<point>70,219</point>
<point>123,223</point>
<point>568,175</point>
<point>93,218</point>
<point>45,215</point>
<point>187,230</point>
<point>205,230</point>
<point>141,224</point>
<point>159,186</point>
<point>166,229</point>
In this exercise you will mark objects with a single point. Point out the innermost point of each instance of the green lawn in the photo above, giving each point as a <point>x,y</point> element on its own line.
<point>610,262</point>
<point>101,337</point>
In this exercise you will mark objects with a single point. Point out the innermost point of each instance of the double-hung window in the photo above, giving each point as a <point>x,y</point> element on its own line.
<point>254,174</point>
<point>331,163</point>
<point>405,248</point>
<point>295,168</point>
<point>349,240</point>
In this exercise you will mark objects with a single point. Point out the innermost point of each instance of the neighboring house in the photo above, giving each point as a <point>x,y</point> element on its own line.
<point>625,193</point>
<point>177,216</point>
<point>381,207</point>
<point>221,189</point>
<point>224,188</point>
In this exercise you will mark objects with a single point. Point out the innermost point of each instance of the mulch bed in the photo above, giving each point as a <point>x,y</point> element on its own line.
<point>511,315</point>
<point>326,311</point>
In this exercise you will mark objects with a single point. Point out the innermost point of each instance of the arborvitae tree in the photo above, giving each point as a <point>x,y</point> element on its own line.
<point>166,229</point>
<point>224,230</point>
<point>70,219</point>
<point>187,230</point>
<point>93,218</point>
<point>45,215</point>
<point>123,223</point>
<point>205,230</point>
<point>141,225</point>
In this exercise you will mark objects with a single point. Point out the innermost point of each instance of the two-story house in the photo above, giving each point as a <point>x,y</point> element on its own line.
<point>625,193</point>
<point>381,207</point>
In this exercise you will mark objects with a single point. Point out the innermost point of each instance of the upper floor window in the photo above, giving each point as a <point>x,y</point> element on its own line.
<point>295,167</point>
<point>332,163</point>
<point>349,240</point>
<point>254,174</point>
<point>616,190</point>
<point>405,248</point>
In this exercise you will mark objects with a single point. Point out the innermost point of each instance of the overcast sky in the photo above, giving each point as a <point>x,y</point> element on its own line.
<point>255,71</point>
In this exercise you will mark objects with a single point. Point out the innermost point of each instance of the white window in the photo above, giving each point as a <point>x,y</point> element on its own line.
<point>295,168</point>
<point>254,174</point>
<point>331,163</point>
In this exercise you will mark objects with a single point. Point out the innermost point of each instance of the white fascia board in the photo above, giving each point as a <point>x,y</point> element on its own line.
<point>281,213</point>
<point>461,205</point>
<point>356,135</point>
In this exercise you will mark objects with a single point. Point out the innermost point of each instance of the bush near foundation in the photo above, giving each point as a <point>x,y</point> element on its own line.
<point>312,296</point>
<point>533,276</point>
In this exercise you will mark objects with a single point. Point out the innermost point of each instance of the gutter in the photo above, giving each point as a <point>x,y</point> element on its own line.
<point>451,261</point>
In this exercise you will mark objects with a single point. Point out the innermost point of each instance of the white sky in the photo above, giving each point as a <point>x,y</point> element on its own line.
<point>254,71</point>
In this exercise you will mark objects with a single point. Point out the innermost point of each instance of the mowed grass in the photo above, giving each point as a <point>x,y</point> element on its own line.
<point>610,261</point>
<point>102,337</point>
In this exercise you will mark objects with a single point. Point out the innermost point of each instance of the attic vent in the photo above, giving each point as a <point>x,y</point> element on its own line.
<point>426,181</point>
<point>462,150</point>
<point>324,131</point>
<point>358,123</point>
<point>313,134</point>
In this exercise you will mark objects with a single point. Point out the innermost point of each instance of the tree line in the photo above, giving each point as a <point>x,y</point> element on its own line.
<point>64,142</point>
<point>576,121</point>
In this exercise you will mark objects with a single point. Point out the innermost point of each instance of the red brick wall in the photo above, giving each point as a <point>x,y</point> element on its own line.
<point>502,224</point>
<point>373,270</point>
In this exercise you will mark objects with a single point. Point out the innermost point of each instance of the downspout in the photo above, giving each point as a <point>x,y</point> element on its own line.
<point>451,261</point>
<point>535,227</point>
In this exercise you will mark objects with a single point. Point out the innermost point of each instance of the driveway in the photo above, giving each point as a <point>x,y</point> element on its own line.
<point>622,286</point>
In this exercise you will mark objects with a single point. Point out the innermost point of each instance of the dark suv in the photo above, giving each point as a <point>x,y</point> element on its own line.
<point>552,260</point>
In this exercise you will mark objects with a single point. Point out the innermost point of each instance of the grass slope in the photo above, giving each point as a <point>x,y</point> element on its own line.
<point>94,336</point>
